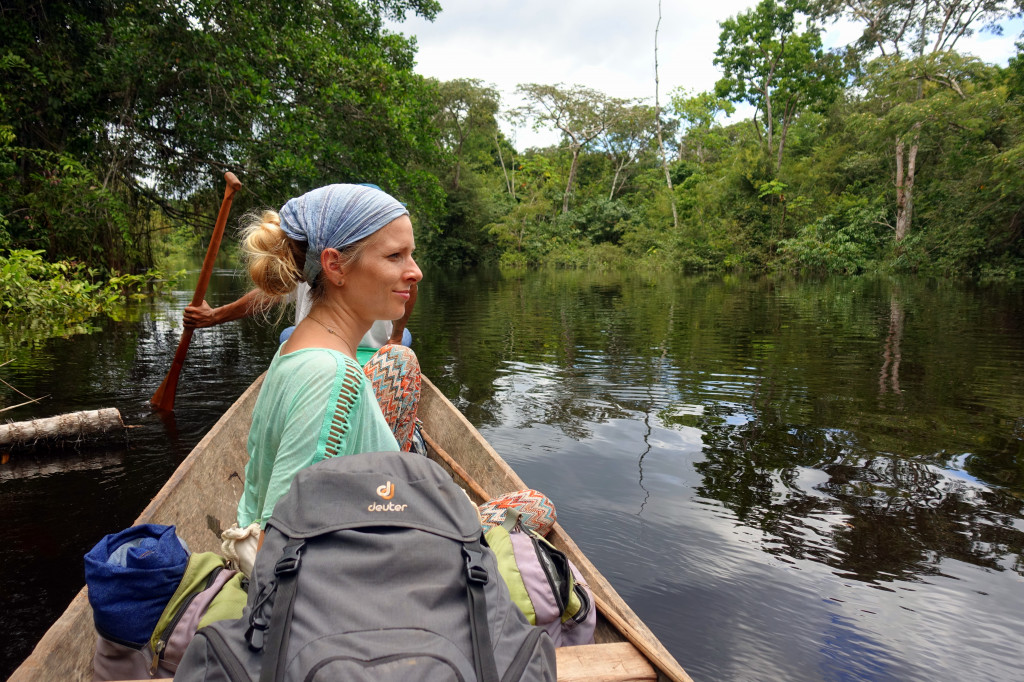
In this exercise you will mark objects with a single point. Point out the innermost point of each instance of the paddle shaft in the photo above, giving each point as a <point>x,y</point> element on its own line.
<point>163,399</point>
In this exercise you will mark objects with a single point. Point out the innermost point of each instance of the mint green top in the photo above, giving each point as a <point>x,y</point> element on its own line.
<point>314,403</point>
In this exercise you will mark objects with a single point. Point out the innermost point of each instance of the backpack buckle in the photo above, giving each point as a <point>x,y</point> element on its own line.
<point>290,559</point>
<point>258,624</point>
<point>475,571</point>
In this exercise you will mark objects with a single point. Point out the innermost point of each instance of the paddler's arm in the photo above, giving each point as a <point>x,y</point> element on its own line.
<point>199,316</point>
<point>396,333</point>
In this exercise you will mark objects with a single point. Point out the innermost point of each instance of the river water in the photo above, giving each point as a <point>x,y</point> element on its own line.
<point>785,479</point>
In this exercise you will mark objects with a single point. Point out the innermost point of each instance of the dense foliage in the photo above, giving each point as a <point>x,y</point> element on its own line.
<point>65,290</point>
<point>895,152</point>
<point>119,118</point>
<point>112,109</point>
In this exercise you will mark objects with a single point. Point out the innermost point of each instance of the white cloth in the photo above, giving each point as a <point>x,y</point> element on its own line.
<point>239,545</point>
<point>376,337</point>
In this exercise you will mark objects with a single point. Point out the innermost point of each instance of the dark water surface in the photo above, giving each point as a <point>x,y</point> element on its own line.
<point>785,480</point>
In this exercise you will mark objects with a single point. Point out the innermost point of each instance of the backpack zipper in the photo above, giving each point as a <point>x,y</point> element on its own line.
<point>585,604</point>
<point>551,572</point>
<point>523,657</point>
<point>165,636</point>
<point>232,666</point>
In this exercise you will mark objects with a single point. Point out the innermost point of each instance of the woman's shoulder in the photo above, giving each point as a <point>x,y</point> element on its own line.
<point>316,360</point>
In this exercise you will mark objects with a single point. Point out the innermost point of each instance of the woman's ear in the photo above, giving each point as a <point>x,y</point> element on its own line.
<point>331,264</point>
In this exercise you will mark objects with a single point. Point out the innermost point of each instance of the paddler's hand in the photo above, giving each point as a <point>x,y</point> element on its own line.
<point>198,316</point>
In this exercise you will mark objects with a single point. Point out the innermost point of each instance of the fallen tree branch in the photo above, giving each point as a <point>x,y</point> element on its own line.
<point>27,402</point>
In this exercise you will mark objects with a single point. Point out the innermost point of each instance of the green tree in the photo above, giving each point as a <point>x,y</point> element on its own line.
<point>580,113</point>
<point>769,63</point>
<point>466,112</point>
<point>698,113</point>
<point>474,152</point>
<point>157,99</point>
<point>627,139</point>
<point>917,41</point>
<point>520,232</point>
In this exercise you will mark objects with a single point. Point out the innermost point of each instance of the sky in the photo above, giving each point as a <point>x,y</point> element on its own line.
<point>607,45</point>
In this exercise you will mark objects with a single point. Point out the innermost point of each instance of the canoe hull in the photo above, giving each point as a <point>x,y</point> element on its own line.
<point>201,496</point>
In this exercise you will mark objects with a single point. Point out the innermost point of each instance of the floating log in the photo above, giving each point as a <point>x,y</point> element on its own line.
<point>70,426</point>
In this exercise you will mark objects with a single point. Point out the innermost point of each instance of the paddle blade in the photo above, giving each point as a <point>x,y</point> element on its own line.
<point>163,399</point>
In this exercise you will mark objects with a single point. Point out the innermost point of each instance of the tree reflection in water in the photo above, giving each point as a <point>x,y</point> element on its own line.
<point>889,376</point>
<point>886,517</point>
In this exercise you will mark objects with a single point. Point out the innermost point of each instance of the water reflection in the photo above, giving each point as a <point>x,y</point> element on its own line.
<point>57,501</point>
<point>822,428</point>
<point>889,376</point>
<point>786,480</point>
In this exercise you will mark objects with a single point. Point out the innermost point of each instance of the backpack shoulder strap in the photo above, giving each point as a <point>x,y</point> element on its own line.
<point>476,578</point>
<point>285,576</point>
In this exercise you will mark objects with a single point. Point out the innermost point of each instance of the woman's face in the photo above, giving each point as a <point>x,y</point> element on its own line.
<point>376,285</point>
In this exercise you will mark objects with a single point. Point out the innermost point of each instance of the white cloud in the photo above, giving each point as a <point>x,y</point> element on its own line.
<point>607,45</point>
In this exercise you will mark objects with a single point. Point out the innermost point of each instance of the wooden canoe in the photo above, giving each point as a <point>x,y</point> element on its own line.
<point>201,496</point>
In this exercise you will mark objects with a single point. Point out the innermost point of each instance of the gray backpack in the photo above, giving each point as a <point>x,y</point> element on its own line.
<point>373,568</point>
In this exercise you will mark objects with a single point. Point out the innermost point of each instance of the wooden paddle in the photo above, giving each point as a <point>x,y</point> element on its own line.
<point>163,399</point>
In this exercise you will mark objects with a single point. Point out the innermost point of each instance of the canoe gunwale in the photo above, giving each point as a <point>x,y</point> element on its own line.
<point>462,443</point>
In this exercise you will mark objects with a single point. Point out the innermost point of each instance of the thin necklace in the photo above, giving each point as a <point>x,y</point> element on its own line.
<point>330,331</point>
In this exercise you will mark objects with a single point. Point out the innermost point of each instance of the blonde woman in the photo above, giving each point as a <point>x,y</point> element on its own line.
<point>353,244</point>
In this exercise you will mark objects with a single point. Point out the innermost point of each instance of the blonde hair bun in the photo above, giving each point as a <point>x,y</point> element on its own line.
<point>270,255</point>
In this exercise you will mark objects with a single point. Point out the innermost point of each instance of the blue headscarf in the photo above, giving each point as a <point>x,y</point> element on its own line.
<point>335,216</point>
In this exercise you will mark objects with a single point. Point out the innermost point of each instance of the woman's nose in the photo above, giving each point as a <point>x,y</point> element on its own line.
<point>415,274</point>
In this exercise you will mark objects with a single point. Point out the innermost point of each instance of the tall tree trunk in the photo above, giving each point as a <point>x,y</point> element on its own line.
<point>657,119</point>
<point>615,180</point>
<point>509,185</point>
<point>786,120</point>
<point>572,178</point>
<point>906,166</point>
<point>620,168</point>
<point>782,144</point>
<point>458,163</point>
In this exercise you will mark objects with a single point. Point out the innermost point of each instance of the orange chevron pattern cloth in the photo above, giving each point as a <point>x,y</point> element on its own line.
<point>394,372</point>
<point>536,511</point>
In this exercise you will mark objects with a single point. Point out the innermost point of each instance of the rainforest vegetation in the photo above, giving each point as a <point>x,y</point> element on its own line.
<point>894,153</point>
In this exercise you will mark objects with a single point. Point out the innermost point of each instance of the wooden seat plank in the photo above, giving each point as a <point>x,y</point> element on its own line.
<point>615,662</point>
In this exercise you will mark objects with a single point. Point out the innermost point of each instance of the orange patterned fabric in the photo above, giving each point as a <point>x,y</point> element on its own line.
<point>394,373</point>
<point>536,511</point>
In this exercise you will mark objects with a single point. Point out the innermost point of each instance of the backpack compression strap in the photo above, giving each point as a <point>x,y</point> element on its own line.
<point>476,578</point>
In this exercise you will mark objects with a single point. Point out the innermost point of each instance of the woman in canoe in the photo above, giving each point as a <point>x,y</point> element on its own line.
<point>316,401</point>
